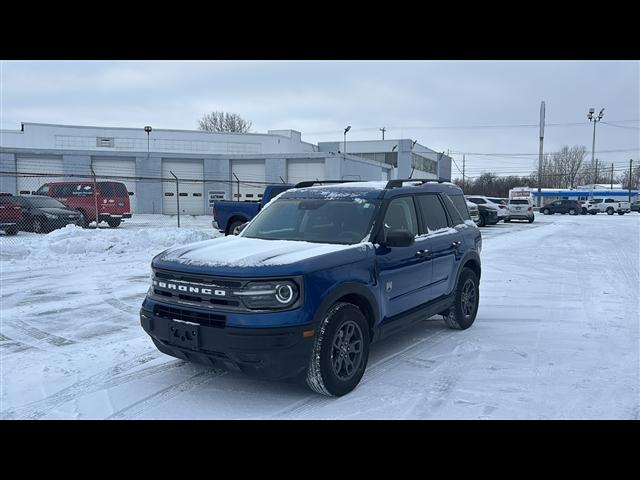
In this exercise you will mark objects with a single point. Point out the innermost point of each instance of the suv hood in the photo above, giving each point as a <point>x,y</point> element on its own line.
<point>57,210</point>
<point>240,256</point>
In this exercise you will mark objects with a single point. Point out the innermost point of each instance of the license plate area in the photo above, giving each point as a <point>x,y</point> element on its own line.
<point>184,334</point>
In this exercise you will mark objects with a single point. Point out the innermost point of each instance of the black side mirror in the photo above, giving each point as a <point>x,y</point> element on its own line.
<point>399,238</point>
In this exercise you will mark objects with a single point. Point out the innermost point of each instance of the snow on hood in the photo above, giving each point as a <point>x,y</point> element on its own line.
<point>233,251</point>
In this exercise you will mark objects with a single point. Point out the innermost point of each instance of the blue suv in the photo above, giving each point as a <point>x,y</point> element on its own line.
<point>323,270</point>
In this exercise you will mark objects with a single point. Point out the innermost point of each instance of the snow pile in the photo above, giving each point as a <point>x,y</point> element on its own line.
<point>73,240</point>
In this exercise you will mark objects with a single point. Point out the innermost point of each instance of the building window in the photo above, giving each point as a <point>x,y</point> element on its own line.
<point>423,163</point>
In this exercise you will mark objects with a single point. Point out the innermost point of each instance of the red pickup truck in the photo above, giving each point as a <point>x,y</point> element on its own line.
<point>112,199</point>
<point>10,214</point>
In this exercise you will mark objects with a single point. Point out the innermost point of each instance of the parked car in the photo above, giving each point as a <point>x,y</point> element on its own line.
<point>315,278</point>
<point>229,215</point>
<point>112,200</point>
<point>503,205</point>
<point>520,209</point>
<point>635,206</point>
<point>474,213</point>
<point>42,214</point>
<point>572,207</point>
<point>499,207</point>
<point>609,206</point>
<point>10,214</point>
<point>487,209</point>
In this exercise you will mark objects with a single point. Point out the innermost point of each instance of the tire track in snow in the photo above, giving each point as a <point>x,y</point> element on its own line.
<point>106,379</point>
<point>33,333</point>
<point>136,409</point>
<point>307,406</point>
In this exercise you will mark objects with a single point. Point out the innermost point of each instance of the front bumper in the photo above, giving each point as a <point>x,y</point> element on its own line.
<point>269,353</point>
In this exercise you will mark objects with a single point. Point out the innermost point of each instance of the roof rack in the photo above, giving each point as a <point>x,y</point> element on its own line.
<point>399,183</point>
<point>310,183</point>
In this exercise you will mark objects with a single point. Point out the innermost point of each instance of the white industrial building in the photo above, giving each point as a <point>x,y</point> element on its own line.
<point>208,165</point>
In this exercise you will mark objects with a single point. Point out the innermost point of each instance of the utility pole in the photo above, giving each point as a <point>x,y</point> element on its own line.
<point>611,176</point>
<point>540,154</point>
<point>463,161</point>
<point>383,130</point>
<point>630,170</point>
<point>596,180</point>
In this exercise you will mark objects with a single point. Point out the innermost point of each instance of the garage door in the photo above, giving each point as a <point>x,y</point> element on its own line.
<point>251,175</point>
<point>111,167</point>
<point>30,165</point>
<point>301,170</point>
<point>191,193</point>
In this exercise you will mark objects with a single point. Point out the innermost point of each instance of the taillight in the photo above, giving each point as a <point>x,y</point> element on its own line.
<point>213,211</point>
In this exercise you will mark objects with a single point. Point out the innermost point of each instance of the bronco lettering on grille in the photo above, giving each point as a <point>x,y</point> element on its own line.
<point>189,288</point>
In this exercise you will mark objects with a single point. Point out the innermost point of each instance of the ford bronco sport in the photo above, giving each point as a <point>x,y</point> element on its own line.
<point>317,276</point>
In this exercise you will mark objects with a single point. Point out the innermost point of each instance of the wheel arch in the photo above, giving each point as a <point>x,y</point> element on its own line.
<point>234,218</point>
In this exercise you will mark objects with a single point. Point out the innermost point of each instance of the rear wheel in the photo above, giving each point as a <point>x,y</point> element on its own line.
<point>572,211</point>
<point>82,221</point>
<point>340,351</point>
<point>620,213</point>
<point>463,312</point>
<point>37,225</point>
<point>482,221</point>
<point>609,211</point>
<point>507,220</point>
<point>234,228</point>
<point>114,222</point>
<point>546,211</point>
<point>593,212</point>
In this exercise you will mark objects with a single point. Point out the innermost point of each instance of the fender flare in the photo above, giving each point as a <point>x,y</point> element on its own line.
<point>473,256</point>
<point>351,288</point>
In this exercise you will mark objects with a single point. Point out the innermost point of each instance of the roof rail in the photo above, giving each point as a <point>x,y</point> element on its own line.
<point>399,183</point>
<point>310,183</point>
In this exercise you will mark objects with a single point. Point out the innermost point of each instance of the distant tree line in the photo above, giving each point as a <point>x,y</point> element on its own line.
<point>566,168</point>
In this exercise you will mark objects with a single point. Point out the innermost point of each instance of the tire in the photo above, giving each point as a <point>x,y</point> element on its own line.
<point>482,221</point>
<point>593,213</point>
<point>11,231</point>
<point>232,230</point>
<point>609,211</point>
<point>114,222</point>
<point>620,213</point>
<point>328,374</point>
<point>546,211</point>
<point>463,313</point>
<point>531,219</point>
<point>572,211</point>
<point>584,211</point>
<point>83,220</point>
<point>507,220</point>
<point>38,225</point>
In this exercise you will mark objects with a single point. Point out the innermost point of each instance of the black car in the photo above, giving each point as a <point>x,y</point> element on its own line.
<point>42,214</point>
<point>572,207</point>
<point>635,206</point>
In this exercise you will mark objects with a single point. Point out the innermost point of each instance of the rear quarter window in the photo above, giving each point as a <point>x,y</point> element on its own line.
<point>457,208</point>
<point>432,211</point>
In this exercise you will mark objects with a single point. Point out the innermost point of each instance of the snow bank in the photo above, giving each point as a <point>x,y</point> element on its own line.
<point>73,240</point>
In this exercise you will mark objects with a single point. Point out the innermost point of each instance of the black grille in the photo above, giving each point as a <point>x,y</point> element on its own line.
<point>197,279</point>
<point>201,318</point>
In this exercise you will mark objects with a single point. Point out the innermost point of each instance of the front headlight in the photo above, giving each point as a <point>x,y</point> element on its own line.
<point>269,295</point>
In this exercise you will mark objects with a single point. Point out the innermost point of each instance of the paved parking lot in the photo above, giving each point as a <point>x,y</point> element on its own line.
<point>556,336</point>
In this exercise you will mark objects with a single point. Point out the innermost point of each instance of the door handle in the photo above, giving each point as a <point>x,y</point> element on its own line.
<point>423,253</point>
<point>456,244</point>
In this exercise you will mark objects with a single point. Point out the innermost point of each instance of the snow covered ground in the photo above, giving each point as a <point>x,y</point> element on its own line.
<point>556,336</point>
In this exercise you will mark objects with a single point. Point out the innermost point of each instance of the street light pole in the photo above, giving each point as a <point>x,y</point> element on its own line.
<point>542,112</point>
<point>344,151</point>
<point>594,119</point>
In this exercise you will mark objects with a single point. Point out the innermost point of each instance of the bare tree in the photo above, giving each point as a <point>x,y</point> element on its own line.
<point>224,122</point>
<point>564,168</point>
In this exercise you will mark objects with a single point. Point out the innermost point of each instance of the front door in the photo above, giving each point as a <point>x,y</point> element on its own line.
<point>404,273</point>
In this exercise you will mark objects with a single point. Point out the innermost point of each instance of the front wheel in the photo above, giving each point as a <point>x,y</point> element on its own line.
<point>463,312</point>
<point>572,211</point>
<point>546,211</point>
<point>114,222</point>
<point>507,220</point>
<point>234,228</point>
<point>482,221</point>
<point>340,351</point>
<point>609,211</point>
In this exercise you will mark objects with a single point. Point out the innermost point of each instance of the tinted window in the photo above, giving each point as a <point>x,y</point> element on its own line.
<point>43,202</point>
<point>64,190</point>
<point>106,189</point>
<point>433,214</point>
<point>7,199</point>
<point>461,205</point>
<point>518,202</point>
<point>120,190</point>
<point>477,201</point>
<point>454,214</point>
<point>43,190</point>
<point>400,215</point>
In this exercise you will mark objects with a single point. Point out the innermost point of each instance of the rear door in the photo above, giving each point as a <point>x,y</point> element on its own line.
<point>444,242</point>
<point>404,273</point>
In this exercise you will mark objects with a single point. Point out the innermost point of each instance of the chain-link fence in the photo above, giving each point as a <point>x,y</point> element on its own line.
<point>34,203</point>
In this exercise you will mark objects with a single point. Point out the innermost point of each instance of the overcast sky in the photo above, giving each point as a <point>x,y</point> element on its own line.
<point>412,99</point>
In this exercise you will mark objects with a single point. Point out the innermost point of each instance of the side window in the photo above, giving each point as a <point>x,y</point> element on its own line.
<point>400,215</point>
<point>609,200</point>
<point>460,208</point>
<point>433,214</point>
<point>43,190</point>
<point>106,189</point>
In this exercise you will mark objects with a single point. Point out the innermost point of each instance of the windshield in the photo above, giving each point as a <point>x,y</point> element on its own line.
<point>518,202</point>
<point>314,220</point>
<point>45,202</point>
